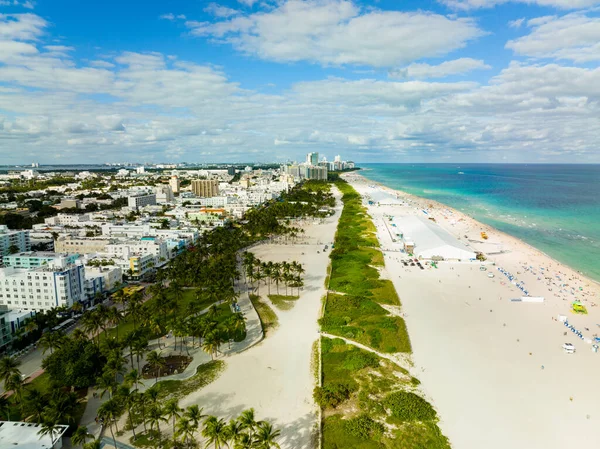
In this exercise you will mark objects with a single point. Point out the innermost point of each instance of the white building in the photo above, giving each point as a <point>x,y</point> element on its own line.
<point>42,288</point>
<point>67,219</point>
<point>112,275</point>
<point>25,435</point>
<point>175,184</point>
<point>127,230</point>
<point>154,247</point>
<point>164,194</point>
<point>137,201</point>
<point>140,170</point>
<point>9,238</point>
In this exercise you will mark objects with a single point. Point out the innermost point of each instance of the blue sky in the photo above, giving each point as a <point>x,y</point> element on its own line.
<point>251,80</point>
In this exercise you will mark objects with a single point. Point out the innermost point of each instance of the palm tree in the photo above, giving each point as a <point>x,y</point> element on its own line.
<point>114,317</point>
<point>80,436</point>
<point>51,428</point>
<point>185,429</point>
<point>194,414</point>
<point>155,416</point>
<point>156,362</point>
<point>215,431</point>
<point>94,444</point>
<point>132,378</point>
<point>16,384</point>
<point>172,411</point>
<point>248,420</point>
<point>5,407</point>
<point>265,436</point>
<point>8,367</point>
<point>35,404</point>
<point>243,442</point>
<point>235,430</point>
<point>129,398</point>
<point>210,344</point>
<point>62,407</point>
<point>107,384</point>
<point>110,412</point>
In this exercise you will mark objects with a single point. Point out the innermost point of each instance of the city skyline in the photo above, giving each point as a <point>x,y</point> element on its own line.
<point>435,81</point>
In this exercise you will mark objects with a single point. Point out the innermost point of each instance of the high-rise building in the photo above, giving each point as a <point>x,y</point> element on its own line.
<point>312,158</point>
<point>13,241</point>
<point>205,187</point>
<point>174,184</point>
<point>338,158</point>
<point>231,171</point>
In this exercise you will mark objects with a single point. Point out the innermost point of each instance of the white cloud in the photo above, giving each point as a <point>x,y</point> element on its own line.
<point>337,32</point>
<point>21,26</point>
<point>220,11</point>
<point>169,16</point>
<point>573,37</point>
<point>516,23</point>
<point>249,3</point>
<point>151,106</point>
<point>447,68</point>
<point>559,4</point>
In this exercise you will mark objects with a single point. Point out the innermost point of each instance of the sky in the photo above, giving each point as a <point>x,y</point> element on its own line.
<point>270,80</point>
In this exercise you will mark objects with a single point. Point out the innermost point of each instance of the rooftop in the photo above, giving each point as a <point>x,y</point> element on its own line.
<point>22,435</point>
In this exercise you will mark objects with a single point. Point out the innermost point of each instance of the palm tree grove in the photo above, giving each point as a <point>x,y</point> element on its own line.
<point>122,363</point>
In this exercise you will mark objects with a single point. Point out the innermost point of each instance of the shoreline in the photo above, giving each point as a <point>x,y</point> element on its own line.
<point>483,225</point>
<point>493,368</point>
<point>456,211</point>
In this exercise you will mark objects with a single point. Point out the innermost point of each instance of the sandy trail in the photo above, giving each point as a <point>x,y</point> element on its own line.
<point>275,377</point>
<point>480,356</point>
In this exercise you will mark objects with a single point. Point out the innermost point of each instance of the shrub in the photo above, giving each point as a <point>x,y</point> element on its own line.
<point>364,427</point>
<point>407,406</point>
<point>331,395</point>
<point>356,360</point>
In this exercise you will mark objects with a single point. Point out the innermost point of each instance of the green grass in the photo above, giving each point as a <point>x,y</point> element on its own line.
<point>380,410</point>
<point>189,296</point>
<point>41,383</point>
<point>357,314</point>
<point>268,318</point>
<point>366,322</point>
<point>205,374</point>
<point>284,302</point>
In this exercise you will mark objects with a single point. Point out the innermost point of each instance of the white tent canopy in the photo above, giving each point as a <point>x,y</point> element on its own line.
<point>431,240</point>
<point>384,198</point>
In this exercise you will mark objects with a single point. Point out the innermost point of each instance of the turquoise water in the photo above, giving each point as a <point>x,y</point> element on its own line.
<point>555,208</point>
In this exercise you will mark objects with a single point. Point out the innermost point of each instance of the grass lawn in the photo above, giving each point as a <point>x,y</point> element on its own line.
<point>370,403</point>
<point>41,383</point>
<point>284,302</point>
<point>205,374</point>
<point>268,318</point>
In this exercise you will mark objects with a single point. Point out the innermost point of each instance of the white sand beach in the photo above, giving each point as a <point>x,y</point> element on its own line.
<point>495,369</point>
<point>275,376</point>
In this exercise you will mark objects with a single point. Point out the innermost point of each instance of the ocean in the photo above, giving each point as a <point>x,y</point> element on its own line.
<point>555,208</point>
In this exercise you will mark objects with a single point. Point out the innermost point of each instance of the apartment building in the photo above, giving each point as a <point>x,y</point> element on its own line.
<point>142,200</point>
<point>11,239</point>
<point>42,288</point>
<point>71,245</point>
<point>37,259</point>
<point>205,187</point>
